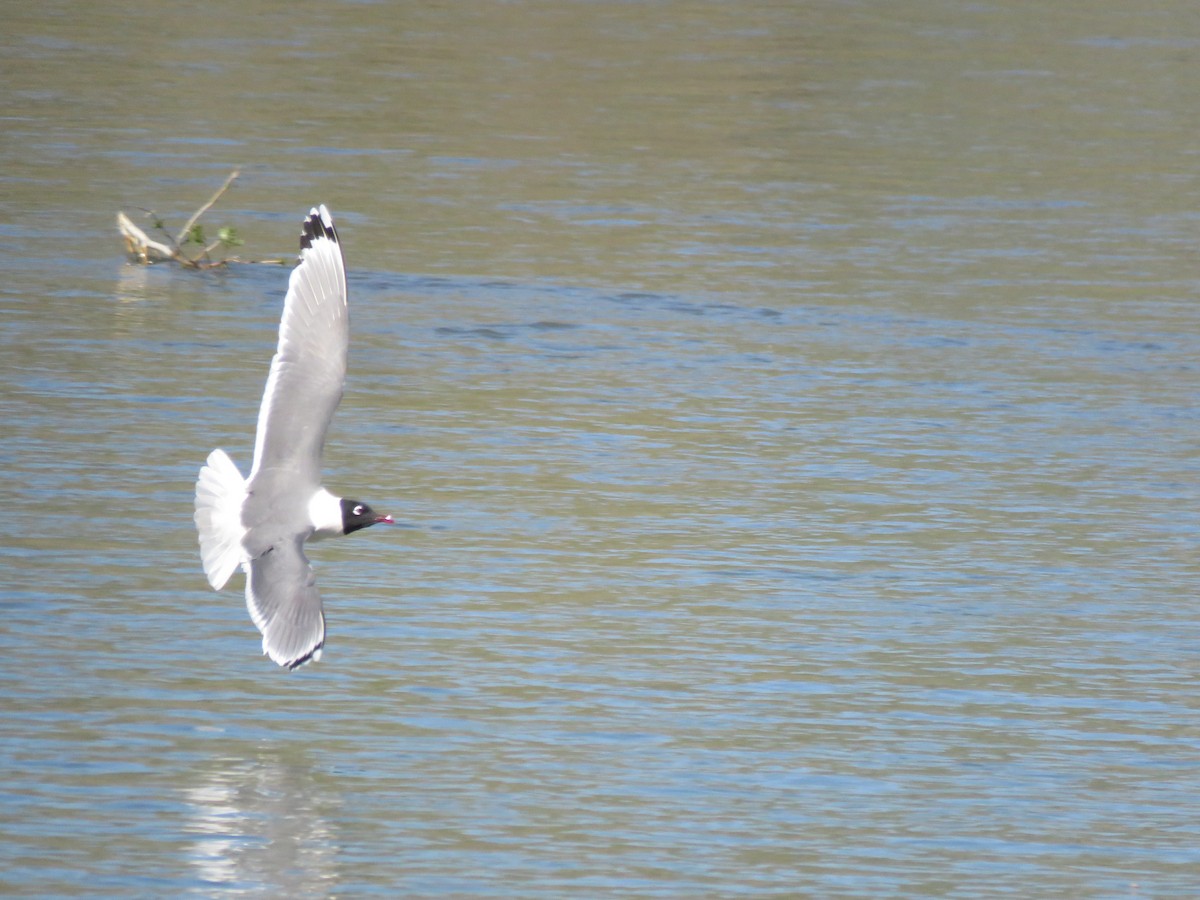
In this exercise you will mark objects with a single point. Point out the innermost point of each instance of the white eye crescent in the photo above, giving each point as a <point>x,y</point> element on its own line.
<point>357,510</point>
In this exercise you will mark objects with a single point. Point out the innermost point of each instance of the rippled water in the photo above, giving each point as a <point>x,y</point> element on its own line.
<point>791,412</point>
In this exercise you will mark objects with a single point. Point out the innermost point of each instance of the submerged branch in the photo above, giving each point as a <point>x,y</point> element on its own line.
<point>141,248</point>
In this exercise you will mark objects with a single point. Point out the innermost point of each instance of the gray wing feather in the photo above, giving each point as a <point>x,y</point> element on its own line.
<point>281,595</point>
<point>308,371</point>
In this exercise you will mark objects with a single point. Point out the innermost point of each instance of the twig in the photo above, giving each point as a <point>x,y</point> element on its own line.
<point>205,208</point>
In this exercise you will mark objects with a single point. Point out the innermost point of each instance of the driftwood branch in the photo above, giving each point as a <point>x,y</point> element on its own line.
<point>143,249</point>
<point>186,230</point>
<point>140,246</point>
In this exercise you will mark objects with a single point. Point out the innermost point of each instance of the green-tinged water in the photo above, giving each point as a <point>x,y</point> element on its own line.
<point>791,408</point>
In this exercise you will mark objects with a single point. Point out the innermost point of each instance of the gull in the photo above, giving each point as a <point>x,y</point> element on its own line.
<point>262,522</point>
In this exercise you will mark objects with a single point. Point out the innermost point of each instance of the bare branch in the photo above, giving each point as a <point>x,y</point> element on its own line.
<point>140,245</point>
<point>143,249</point>
<point>183,233</point>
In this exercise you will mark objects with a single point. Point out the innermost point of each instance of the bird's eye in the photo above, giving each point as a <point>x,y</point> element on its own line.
<point>358,510</point>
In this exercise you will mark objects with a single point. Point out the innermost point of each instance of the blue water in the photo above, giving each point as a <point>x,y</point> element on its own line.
<point>789,411</point>
<point>651,622</point>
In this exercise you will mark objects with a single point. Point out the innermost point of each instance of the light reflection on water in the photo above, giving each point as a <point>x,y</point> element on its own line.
<point>257,825</point>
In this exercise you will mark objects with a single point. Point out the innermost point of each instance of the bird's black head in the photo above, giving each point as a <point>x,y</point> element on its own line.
<point>356,515</point>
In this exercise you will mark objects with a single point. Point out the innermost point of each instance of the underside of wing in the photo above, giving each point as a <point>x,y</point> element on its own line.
<point>308,371</point>
<point>281,595</point>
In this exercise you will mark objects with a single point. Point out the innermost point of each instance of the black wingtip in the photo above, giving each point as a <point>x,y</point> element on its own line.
<point>312,656</point>
<point>318,224</point>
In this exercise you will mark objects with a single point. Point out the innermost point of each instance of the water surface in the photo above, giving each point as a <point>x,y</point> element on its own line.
<point>791,408</point>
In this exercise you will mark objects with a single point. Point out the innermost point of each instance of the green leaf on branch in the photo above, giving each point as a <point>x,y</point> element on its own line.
<point>229,237</point>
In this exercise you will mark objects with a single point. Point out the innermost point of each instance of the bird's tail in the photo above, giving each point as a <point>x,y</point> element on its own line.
<point>220,492</point>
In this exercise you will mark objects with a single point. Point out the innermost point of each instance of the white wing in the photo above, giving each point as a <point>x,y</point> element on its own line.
<point>281,595</point>
<point>309,368</point>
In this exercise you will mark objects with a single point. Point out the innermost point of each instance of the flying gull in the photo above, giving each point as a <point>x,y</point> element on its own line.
<point>262,522</point>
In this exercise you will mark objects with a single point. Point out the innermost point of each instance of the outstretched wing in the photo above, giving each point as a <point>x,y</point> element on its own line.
<point>281,595</point>
<point>309,368</point>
